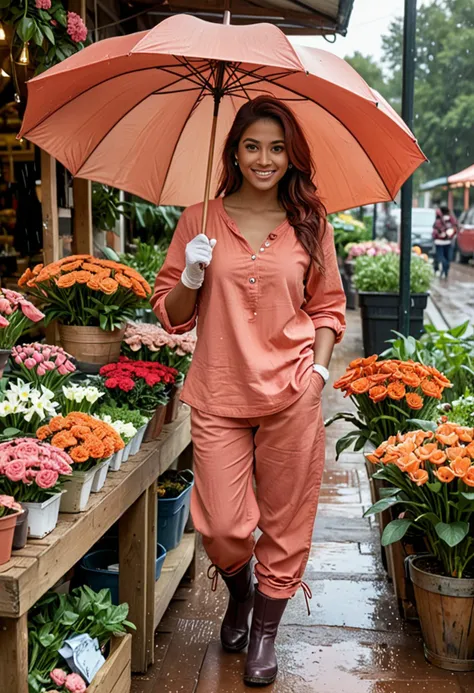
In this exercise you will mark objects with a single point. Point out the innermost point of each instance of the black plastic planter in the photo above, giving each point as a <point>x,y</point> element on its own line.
<point>379,313</point>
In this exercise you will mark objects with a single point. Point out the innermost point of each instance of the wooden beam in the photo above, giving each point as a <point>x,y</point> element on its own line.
<point>14,654</point>
<point>82,217</point>
<point>49,204</point>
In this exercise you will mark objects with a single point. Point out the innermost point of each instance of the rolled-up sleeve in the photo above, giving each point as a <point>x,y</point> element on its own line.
<point>170,274</point>
<point>325,298</point>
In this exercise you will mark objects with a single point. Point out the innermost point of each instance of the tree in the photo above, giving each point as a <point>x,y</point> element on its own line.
<point>444,82</point>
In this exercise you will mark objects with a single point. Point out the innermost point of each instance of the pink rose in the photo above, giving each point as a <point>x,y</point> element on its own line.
<point>15,471</point>
<point>58,676</point>
<point>7,502</point>
<point>31,312</point>
<point>27,448</point>
<point>46,478</point>
<point>75,683</point>
<point>3,321</point>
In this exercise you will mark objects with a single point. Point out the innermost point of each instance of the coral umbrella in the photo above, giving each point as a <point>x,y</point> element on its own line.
<point>145,112</point>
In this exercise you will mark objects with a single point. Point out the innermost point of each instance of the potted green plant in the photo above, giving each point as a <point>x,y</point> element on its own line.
<point>377,279</point>
<point>174,496</point>
<point>430,474</point>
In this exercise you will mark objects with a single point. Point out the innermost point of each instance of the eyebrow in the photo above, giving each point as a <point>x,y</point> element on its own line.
<point>251,139</point>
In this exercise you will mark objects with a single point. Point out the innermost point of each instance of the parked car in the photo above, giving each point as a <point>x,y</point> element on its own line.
<point>465,237</point>
<point>422,220</point>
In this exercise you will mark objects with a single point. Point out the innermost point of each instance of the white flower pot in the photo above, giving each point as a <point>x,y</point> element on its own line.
<point>126,451</point>
<point>100,475</point>
<point>137,440</point>
<point>43,517</point>
<point>116,461</point>
<point>78,489</point>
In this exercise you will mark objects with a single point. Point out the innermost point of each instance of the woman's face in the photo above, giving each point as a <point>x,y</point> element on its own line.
<point>262,155</point>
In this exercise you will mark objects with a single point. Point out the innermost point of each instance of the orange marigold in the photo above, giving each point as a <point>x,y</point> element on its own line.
<point>109,447</point>
<point>94,446</point>
<point>414,400</point>
<point>80,432</point>
<point>396,390</point>
<point>108,286</point>
<point>378,393</point>
<point>65,281</point>
<point>63,440</point>
<point>79,454</point>
<point>43,432</point>
<point>57,423</point>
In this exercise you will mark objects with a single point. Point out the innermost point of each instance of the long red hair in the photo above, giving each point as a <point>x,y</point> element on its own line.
<point>296,191</point>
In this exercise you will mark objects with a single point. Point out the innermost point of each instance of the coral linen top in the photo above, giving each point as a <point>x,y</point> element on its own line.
<point>256,315</point>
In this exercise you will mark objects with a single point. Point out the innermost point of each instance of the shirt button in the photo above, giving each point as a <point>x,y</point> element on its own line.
<point>262,250</point>
<point>254,257</point>
<point>252,280</point>
<point>255,313</point>
<point>267,243</point>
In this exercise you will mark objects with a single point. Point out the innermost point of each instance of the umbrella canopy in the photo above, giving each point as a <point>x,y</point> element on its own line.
<point>463,177</point>
<point>136,112</point>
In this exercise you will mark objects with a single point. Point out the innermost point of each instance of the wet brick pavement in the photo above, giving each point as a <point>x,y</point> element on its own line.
<point>353,642</point>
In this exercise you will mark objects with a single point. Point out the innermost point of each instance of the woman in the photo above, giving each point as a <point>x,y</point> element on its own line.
<point>267,292</point>
<point>444,233</point>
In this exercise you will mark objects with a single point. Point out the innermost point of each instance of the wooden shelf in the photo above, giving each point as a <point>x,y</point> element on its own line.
<point>176,564</point>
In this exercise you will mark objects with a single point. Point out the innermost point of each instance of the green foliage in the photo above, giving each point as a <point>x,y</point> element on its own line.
<point>48,43</point>
<point>347,229</point>
<point>382,273</point>
<point>450,351</point>
<point>155,223</point>
<point>461,411</point>
<point>172,483</point>
<point>124,414</point>
<point>107,208</point>
<point>148,260</point>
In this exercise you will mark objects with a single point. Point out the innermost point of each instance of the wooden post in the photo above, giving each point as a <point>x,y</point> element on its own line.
<point>450,200</point>
<point>14,654</point>
<point>82,217</point>
<point>49,203</point>
<point>466,197</point>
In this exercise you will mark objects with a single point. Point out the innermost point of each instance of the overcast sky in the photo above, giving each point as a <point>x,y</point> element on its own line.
<point>369,20</point>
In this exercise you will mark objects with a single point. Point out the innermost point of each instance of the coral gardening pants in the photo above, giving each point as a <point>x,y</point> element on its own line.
<point>286,452</point>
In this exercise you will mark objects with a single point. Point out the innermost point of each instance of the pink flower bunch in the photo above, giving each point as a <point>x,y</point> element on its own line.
<point>43,4</point>
<point>371,248</point>
<point>35,361</point>
<point>31,470</point>
<point>8,505</point>
<point>76,28</point>
<point>71,682</point>
<point>15,314</point>
<point>145,342</point>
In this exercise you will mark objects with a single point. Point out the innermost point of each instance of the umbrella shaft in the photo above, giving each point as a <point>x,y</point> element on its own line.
<point>210,160</point>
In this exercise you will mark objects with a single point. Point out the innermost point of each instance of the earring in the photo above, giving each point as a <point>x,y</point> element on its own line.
<point>236,163</point>
<point>290,165</point>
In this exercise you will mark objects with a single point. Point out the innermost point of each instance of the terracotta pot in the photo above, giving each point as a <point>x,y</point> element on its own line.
<point>446,610</point>
<point>156,424</point>
<point>4,356</point>
<point>7,530</point>
<point>91,344</point>
<point>21,530</point>
<point>172,407</point>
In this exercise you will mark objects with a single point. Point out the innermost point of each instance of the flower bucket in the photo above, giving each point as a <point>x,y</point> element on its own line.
<point>96,572</point>
<point>173,513</point>
<point>21,530</point>
<point>7,530</point>
<point>446,608</point>
<point>172,408</point>
<point>138,439</point>
<point>43,517</point>
<point>4,356</point>
<point>156,423</point>
<point>126,451</point>
<point>116,461</point>
<point>91,344</point>
<point>78,490</point>
<point>100,475</point>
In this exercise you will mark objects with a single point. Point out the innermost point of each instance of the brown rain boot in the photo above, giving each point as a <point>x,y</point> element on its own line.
<point>262,668</point>
<point>235,626</point>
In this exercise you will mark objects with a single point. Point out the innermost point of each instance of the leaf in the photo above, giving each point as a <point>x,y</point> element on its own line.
<point>69,618</point>
<point>381,505</point>
<point>4,3</point>
<point>344,416</point>
<point>431,517</point>
<point>49,34</point>
<point>46,640</point>
<point>345,442</point>
<point>388,492</point>
<point>434,486</point>
<point>452,534</point>
<point>61,17</point>
<point>395,531</point>
<point>26,28</point>
<point>468,495</point>
<point>423,424</point>
<point>459,330</point>
<point>38,37</point>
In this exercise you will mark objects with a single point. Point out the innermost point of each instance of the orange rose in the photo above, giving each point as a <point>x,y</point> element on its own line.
<point>43,432</point>
<point>82,277</point>
<point>360,386</point>
<point>94,283</point>
<point>396,391</point>
<point>26,277</point>
<point>73,258</point>
<point>444,474</point>
<point>430,388</point>
<point>123,280</point>
<point>437,457</point>
<point>388,367</point>
<point>469,478</point>
<point>71,266</point>
<point>65,281</point>
<point>420,477</point>
<point>369,360</point>
<point>90,267</point>
<point>356,363</point>
<point>138,289</point>
<point>421,436</point>
<point>411,380</point>
<point>460,466</point>
<point>414,400</point>
<point>146,287</point>
<point>378,393</point>
<point>79,454</point>
<point>108,286</point>
<point>378,378</point>
<point>425,451</point>
<point>344,380</point>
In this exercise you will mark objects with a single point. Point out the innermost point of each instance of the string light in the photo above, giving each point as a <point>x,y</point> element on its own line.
<point>2,33</point>
<point>24,58</point>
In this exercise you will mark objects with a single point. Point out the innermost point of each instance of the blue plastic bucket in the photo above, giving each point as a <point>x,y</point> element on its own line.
<point>96,575</point>
<point>173,513</point>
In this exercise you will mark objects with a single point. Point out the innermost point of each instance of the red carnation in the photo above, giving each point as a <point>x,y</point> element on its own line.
<point>126,384</point>
<point>111,383</point>
<point>109,368</point>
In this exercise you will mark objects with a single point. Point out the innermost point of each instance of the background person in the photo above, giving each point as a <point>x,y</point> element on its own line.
<point>444,233</point>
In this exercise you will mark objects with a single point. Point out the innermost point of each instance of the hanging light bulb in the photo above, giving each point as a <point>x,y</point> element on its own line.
<point>2,33</point>
<point>24,58</point>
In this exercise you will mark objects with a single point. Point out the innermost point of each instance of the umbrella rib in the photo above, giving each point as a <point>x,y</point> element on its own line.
<point>229,90</point>
<point>188,65</point>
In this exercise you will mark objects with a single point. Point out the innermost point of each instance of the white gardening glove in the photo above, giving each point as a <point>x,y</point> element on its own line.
<point>198,257</point>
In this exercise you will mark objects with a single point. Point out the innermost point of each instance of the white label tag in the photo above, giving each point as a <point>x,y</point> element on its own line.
<point>83,656</point>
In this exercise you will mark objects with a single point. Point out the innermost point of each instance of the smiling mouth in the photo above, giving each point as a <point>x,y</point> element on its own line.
<point>263,174</point>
